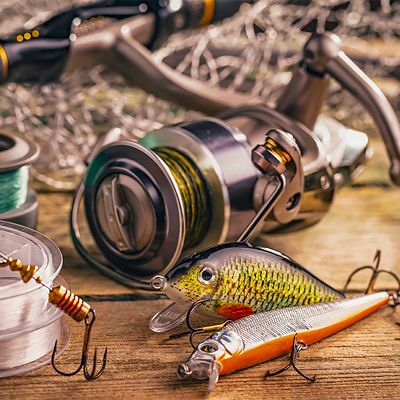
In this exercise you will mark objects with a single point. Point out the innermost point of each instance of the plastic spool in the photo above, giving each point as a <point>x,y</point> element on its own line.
<point>29,324</point>
<point>16,154</point>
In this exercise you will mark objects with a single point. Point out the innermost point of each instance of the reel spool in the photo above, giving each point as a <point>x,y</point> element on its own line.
<point>29,324</point>
<point>18,203</point>
<point>179,190</point>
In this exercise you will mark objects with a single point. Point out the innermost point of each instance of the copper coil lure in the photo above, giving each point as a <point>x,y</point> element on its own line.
<point>70,304</point>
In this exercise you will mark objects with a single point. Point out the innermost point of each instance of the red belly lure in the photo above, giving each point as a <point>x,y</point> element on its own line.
<point>238,280</point>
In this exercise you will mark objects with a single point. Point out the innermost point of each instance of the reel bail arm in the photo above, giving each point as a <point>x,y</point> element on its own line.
<point>279,159</point>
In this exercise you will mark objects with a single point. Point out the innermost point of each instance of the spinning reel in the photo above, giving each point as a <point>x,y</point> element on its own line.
<point>191,185</point>
<point>194,184</point>
<point>181,188</point>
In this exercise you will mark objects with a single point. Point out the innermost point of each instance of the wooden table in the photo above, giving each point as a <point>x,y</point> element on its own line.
<point>360,362</point>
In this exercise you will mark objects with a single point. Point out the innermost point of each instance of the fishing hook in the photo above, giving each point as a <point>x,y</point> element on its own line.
<point>195,331</point>
<point>297,347</point>
<point>92,375</point>
<point>375,273</point>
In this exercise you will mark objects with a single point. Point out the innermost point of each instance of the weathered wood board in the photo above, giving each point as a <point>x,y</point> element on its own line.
<point>360,362</point>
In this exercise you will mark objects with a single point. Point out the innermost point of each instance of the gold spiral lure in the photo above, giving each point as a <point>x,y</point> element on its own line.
<point>59,296</point>
<point>72,305</point>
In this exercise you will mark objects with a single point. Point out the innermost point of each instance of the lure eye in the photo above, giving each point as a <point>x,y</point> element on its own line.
<point>209,348</point>
<point>206,275</point>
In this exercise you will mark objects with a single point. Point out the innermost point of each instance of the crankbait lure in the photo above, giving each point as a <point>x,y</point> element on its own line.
<point>238,280</point>
<point>262,337</point>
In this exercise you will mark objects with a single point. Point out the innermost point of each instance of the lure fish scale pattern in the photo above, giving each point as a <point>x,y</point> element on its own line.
<point>260,328</point>
<point>255,285</point>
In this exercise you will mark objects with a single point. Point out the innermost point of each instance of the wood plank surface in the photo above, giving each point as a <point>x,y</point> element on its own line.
<point>361,362</point>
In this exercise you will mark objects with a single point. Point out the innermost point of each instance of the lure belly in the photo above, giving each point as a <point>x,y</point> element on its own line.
<point>239,280</point>
<point>262,337</point>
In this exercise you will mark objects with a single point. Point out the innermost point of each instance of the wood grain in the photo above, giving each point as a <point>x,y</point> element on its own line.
<point>360,362</point>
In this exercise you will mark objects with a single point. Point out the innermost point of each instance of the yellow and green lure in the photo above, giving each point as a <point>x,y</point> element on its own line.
<point>239,280</point>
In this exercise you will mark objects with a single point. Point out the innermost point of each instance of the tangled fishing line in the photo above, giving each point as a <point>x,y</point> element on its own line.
<point>253,52</point>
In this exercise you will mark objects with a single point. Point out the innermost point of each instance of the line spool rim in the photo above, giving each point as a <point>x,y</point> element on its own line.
<point>16,152</point>
<point>51,254</point>
<point>142,165</point>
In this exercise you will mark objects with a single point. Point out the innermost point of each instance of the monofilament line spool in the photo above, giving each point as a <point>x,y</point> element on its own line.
<point>18,203</point>
<point>29,324</point>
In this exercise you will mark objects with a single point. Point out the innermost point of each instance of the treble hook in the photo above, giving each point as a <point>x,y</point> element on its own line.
<point>195,331</point>
<point>294,355</point>
<point>89,376</point>
<point>375,272</point>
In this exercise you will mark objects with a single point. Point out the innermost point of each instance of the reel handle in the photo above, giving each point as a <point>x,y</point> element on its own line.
<point>305,94</point>
<point>352,78</point>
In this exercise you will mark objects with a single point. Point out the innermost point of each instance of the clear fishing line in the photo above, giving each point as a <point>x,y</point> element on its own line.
<point>29,324</point>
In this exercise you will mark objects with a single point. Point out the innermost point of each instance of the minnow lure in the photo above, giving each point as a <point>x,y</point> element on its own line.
<point>239,280</point>
<point>262,337</point>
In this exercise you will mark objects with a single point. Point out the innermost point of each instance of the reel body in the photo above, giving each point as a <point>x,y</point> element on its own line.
<point>189,186</point>
<point>332,157</point>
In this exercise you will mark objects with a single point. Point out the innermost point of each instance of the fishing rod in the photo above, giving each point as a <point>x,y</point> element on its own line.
<point>77,37</point>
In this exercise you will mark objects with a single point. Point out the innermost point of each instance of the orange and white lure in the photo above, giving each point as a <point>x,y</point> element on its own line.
<point>264,336</point>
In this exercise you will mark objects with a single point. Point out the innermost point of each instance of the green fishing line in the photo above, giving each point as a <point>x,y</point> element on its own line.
<point>13,188</point>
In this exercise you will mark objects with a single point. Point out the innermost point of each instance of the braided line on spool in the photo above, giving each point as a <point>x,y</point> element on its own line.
<point>194,192</point>
<point>18,202</point>
<point>14,188</point>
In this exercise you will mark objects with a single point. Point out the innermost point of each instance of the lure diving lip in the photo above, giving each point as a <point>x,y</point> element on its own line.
<point>262,337</point>
<point>240,280</point>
